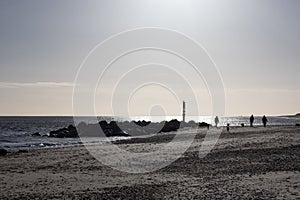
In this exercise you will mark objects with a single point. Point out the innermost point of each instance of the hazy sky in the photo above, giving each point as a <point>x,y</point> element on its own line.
<point>255,44</point>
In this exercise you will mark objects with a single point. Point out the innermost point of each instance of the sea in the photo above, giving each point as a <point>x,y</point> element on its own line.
<point>16,132</point>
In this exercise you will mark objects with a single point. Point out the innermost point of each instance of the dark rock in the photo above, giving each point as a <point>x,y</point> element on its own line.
<point>142,123</point>
<point>23,151</point>
<point>36,134</point>
<point>89,130</point>
<point>297,124</point>
<point>69,132</point>
<point>172,125</point>
<point>3,152</point>
<point>190,124</point>
<point>112,129</point>
<point>203,124</point>
<point>72,131</point>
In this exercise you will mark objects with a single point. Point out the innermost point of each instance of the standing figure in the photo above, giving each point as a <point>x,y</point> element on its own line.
<point>251,120</point>
<point>264,120</point>
<point>217,121</point>
<point>228,127</point>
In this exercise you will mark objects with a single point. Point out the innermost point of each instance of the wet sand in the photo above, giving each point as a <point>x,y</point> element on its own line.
<point>247,163</point>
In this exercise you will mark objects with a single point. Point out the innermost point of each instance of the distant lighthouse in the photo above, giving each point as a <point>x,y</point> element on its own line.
<point>183,111</point>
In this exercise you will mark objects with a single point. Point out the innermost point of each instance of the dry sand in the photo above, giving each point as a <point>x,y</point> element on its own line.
<point>247,163</point>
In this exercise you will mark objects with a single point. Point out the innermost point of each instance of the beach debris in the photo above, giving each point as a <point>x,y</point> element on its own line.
<point>36,134</point>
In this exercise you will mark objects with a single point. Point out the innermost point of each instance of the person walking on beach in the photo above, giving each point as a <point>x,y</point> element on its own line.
<point>251,120</point>
<point>264,120</point>
<point>217,121</point>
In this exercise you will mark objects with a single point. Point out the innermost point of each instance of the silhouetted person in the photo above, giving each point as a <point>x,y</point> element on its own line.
<point>264,120</point>
<point>251,120</point>
<point>228,127</point>
<point>217,121</point>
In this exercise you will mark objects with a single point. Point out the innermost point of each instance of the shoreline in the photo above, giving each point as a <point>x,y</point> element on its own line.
<point>118,139</point>
<point>131,139</point>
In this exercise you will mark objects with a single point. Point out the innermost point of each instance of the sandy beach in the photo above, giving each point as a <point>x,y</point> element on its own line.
<point>247,163</point>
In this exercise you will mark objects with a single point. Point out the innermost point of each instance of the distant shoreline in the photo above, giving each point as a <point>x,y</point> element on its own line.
<point>291,116</point>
